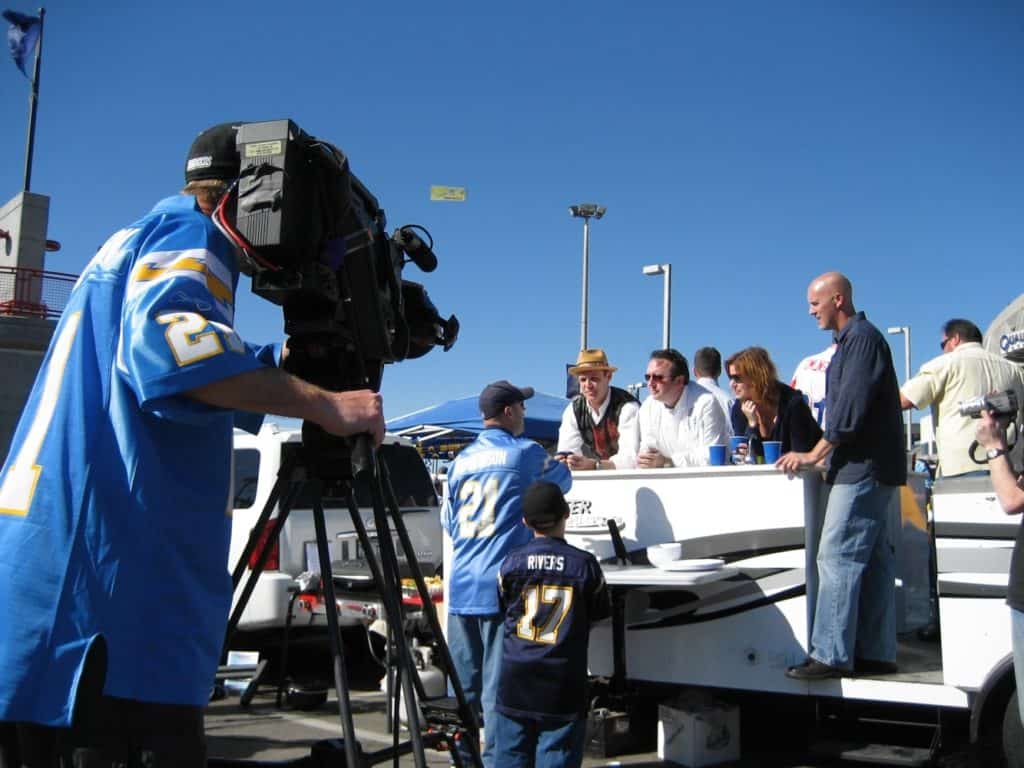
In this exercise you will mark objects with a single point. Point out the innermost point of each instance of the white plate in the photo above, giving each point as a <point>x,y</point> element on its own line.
<point>700,564</point>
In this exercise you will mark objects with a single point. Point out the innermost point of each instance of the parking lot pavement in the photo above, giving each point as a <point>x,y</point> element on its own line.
<point>263,732</point>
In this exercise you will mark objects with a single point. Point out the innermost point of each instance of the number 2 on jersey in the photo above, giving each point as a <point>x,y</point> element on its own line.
<point>476,497</point>
<point>547,594</point>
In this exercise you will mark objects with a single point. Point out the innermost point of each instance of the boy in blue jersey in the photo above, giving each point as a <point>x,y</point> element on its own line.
<point>114,499</point>
<point>551,592</point>
<point>483,516</point>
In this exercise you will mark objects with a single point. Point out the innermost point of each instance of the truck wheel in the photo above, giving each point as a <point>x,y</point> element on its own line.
<point>1013,734</point>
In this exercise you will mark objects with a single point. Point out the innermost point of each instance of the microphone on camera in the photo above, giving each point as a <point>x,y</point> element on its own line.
<point>418,251</point>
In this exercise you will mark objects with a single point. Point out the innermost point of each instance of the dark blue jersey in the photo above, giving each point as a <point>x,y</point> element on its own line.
<point>551,592</point>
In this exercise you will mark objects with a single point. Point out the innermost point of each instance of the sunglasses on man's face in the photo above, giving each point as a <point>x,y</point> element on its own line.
<point>659,377</point>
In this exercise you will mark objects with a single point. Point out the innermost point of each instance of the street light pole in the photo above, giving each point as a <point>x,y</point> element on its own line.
<point>905,331</point>
<point>666,270</point>
<point>586,211</point>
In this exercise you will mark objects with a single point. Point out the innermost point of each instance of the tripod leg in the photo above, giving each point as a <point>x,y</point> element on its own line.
<point>390,589</point>
<point>353,757</point>
<point>284,477</point>
<point>283,480</point>
<point>466,713</point>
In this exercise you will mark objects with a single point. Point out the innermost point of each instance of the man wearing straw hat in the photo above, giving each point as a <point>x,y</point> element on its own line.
<point>599,427</point>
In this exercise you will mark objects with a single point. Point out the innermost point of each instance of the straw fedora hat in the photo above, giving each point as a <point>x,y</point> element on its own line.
<point>591,360</point>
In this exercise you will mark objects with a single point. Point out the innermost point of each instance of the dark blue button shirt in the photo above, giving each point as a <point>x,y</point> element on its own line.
<point>865,422</point>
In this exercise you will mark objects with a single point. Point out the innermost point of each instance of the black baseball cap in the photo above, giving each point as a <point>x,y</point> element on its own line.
<point>214,154</point>
<point>544,505</point>
<point>499,394</point>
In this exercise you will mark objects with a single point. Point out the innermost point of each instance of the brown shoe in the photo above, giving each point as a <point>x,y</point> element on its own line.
<point>812,669</point>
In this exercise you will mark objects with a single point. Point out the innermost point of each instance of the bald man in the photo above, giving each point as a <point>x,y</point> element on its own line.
<point>854,629</point>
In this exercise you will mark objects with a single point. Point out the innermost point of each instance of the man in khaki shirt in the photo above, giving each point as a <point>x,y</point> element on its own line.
<point>963,370</point>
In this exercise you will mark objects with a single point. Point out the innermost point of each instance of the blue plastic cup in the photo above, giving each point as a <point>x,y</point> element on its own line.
<point>772,451</point>
<point>734,443</point>
<point>716,454</point>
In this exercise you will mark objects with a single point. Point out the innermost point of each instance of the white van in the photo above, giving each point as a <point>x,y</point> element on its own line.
<point>257,459</point>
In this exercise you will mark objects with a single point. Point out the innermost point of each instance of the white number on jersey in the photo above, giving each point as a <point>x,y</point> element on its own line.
<point>475,497</point>
<point>557,595</point>
<point>187,337</point>
<point>19,486</point>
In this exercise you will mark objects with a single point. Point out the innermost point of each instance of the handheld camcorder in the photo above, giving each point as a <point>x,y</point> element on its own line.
<point>318,246</point>
<point>1002,404</point>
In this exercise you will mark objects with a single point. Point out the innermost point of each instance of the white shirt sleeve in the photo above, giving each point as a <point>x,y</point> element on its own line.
<point>629,437</point>
<point>705,426</point>
<point>569,437</point>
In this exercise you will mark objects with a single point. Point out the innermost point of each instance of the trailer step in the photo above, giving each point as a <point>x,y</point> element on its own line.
<point>873,754</point>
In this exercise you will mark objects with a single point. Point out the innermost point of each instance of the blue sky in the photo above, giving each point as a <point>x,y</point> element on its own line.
<point>750,145</point>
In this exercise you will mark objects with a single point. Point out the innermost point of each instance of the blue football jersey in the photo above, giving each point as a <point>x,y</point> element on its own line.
<point>114,509</point>
<point>484,512</point>
<point>552,592</point>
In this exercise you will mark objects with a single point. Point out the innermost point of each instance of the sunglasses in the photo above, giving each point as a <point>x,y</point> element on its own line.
<point>735,377</point>
<point>943,343</point>
<point>655,377</point>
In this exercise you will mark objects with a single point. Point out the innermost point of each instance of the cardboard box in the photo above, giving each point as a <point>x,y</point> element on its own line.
<point>697,730</point>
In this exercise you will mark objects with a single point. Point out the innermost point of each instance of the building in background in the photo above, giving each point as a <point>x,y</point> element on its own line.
<point>31,300</point>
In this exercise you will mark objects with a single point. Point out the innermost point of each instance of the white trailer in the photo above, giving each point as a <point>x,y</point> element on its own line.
<point>739,627</point>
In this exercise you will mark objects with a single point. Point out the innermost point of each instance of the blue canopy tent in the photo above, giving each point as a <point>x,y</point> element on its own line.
<point>448,426</point>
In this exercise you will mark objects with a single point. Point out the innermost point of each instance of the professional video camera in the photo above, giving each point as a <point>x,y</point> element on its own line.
<point>319,248</point>
<point>1002,404</point>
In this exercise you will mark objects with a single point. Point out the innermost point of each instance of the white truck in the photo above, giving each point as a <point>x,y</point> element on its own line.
<point>257,459</point>
<point>738,624</point>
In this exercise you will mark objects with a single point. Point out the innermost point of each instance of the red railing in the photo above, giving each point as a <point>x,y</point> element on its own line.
<point>28,292</point>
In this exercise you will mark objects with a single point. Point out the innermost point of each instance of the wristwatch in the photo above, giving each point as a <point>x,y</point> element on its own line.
<point>995,453</point>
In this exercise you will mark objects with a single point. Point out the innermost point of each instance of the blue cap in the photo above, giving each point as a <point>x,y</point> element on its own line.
<point>499,394</point>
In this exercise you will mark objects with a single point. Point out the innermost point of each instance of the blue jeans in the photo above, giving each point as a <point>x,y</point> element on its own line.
<point>526,743</point>
<point>475,645</point>
<point>855,615</point>
<point>1017,640</point>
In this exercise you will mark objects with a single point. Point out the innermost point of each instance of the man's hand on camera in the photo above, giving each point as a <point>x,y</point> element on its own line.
<point>352,413</point>
<point>991,433</point>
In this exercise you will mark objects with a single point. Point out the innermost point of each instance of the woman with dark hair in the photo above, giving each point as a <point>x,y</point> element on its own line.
<point>767,409</point>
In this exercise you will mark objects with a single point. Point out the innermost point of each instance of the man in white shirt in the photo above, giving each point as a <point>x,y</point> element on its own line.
<point>707,367</point>
<point>964,370</point>
<point>599,427</point>
<point>681,419</point>
<point>810,377</point>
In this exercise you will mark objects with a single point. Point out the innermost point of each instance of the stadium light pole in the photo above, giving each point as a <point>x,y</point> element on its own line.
<point>905,331</point>
<point>586,211</point>
<point>666,270</point>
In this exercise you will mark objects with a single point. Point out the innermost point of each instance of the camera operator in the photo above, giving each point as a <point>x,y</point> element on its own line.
<point>1009,488</point>
<point>114,529</point>
<point>963,370</point>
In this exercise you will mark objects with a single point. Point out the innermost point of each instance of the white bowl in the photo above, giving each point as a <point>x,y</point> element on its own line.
<point>664,553</point>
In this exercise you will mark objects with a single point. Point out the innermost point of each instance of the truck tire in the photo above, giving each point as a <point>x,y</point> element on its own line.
<point>1013,734</point>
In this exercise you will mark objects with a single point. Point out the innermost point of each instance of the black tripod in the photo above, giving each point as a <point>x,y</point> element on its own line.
<point>324,458</point>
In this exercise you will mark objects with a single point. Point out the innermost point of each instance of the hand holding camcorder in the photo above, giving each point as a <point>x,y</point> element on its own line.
<point>996,411</point>
<point>1002,404</point>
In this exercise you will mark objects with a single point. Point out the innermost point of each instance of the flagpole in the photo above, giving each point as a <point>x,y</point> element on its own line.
<point>33,100</point>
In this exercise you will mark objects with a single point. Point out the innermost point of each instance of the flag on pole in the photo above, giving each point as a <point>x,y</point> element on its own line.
<point>454,194</point>
<point>22,36</point>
